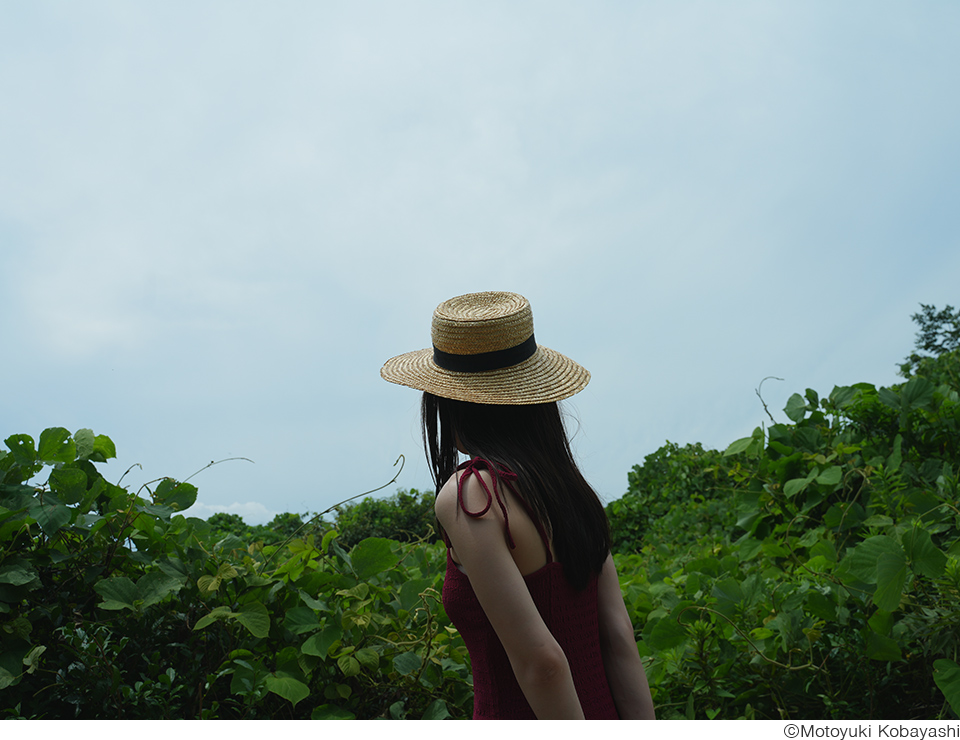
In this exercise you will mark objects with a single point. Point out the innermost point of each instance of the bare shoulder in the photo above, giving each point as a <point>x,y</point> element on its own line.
<point>473,497</point>
<point>446,504</point>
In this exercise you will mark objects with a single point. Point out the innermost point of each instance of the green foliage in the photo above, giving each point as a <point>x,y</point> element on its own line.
<point>938,335</point>
<point>939,330</point>
<point>406,517</point>
<point>113,604</point>
<point>836,594</point>
<point>671,481</point>
<point>282,528</point>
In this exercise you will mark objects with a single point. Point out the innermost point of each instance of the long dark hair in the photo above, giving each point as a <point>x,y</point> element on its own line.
<point>530,441</point>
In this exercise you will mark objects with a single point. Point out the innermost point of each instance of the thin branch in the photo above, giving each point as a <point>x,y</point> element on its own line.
<point>166,477</point>
<point>757,391</point>
<point>135,465</point>
<point>401,460</point>
<point>742,634</point>
<point>217,462</point>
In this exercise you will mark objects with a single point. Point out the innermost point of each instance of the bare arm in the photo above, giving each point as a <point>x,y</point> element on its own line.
<point>538,661</point>
<point>628,680</point>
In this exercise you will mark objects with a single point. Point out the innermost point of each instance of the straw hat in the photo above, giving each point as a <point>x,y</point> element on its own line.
<point>484,352</point>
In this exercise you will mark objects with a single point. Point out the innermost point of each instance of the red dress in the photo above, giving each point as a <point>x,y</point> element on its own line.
<point>570,615</point>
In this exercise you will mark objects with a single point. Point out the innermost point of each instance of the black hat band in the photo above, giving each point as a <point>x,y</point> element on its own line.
<point>485,361</point>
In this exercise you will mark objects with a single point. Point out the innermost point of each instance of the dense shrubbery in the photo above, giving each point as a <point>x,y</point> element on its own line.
<point>281,528</point>
<point>661,492</point>
<point>407,516</point>
<point>113,605</point>
<point>834,590</point>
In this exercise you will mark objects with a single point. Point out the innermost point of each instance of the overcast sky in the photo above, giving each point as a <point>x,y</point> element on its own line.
<point>218,219</point>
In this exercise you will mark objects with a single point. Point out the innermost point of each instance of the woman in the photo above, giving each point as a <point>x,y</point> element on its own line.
<point>530,582</point>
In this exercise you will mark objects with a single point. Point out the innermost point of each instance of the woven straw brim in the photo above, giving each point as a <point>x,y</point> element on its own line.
<point>546,376</point>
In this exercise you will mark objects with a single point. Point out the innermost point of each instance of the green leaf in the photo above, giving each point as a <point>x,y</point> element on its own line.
<point>831,476</point>
<point>325,542</point>
<point>180,496</point>
<point>300,619</point>
<point>821,606</point>
<point>22,449</point>
<point>7,678</point>
<point>410,592</point>
<point>842,396</point>
<point>896,457</point>
<point>56,446</point>
<point>881,623</point>
<point>18,574</point>
<point>69,484</point>
<point>708,566</point>
<point>891,576</point>
<point>52,518</point>
<point>750,548</point>
<point>926,558</point>
<point>32,659</point>
<point>819,564</point>
<point>314,604</point>
<point>917,393</point>
<point>372,556</point>
<point>174,568</point>
<point>319,644</point>
<point>796,408</point>
<point>792,487</point>
<point>665,633</point>
<point>156,586</point>
<point>407,663</point>
<point>728,590</point>
<point>748,513</point>
<point>889,397</point>
<point>436,710</point>
<point>255,618</point>
<point>117,593</point>
<point>825,549</point>
<point>349,665</point>
<point>230,543</point>
<point>946,674</point>
<point>861,562</point>
<point>103,449</point>
<point>368,658</point>
<point>738,446</point>
<point>208,583</point>
<point>879,647</point>
<point>291,689</point>
<point>329,711</point>
<point>85,440</point>
<point>220,612</point>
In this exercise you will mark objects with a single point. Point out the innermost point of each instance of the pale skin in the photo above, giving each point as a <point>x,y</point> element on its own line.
<point>479,547</point>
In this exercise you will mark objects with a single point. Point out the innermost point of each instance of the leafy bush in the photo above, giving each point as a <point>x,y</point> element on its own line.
<point>671,481</point>
<point>281,528</point>
<point>406,516</point>
<point>837,592</point>
<point>114,605</point>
